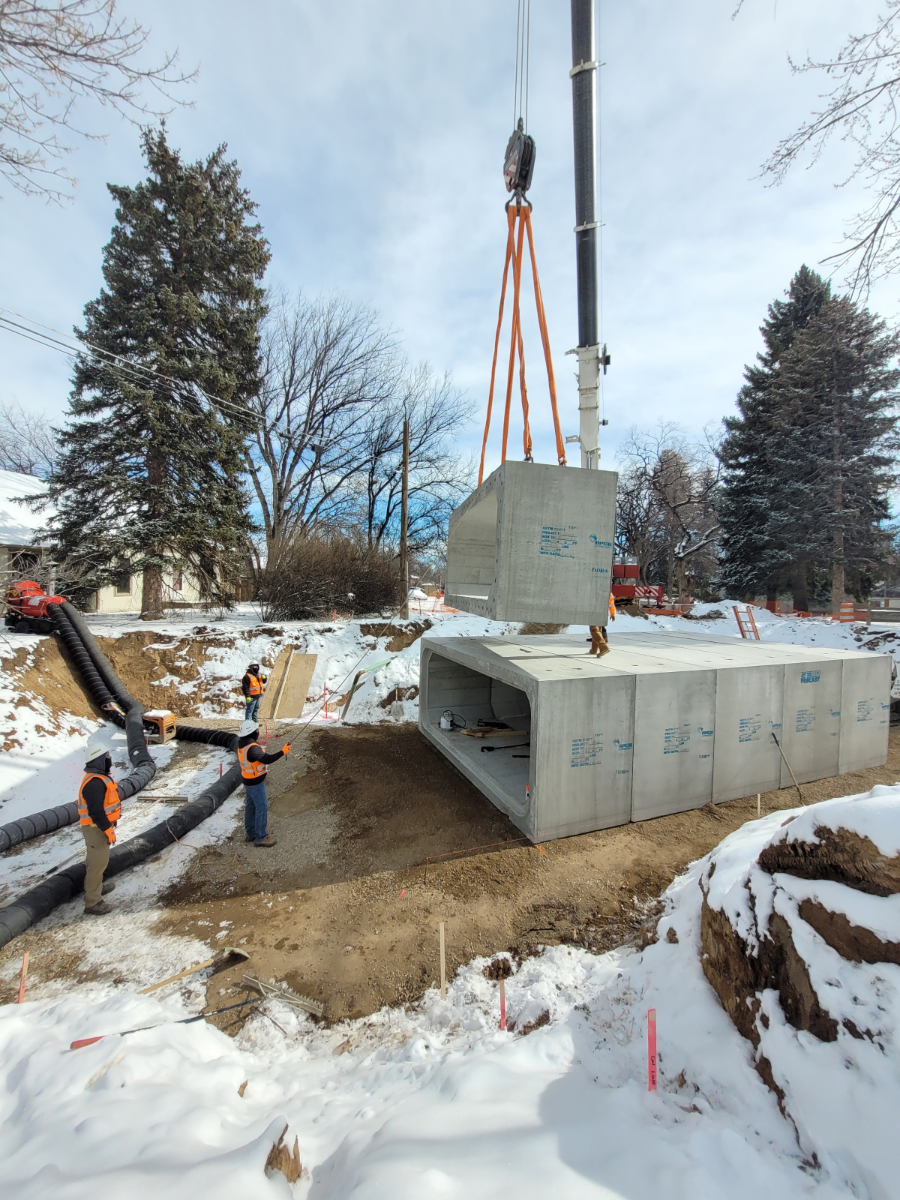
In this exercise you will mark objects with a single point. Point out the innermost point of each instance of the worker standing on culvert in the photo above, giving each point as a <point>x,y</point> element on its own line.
<point>599,643</point>
<point>254,763</point>
<point>99,808</point>
<point>253,685</point>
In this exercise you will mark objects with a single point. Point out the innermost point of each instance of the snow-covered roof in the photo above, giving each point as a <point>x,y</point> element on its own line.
<point>18,522</point>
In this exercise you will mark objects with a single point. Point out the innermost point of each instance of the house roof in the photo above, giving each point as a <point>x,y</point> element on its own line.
<point>18,522</point>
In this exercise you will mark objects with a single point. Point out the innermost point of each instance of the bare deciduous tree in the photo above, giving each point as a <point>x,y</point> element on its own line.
<point>55,54</point>
<point>438,476</point>
<point>28,444</point>
<point>862,107</point>
<point>326,365</point>
<point>664,514</point>
<point>325,456</point>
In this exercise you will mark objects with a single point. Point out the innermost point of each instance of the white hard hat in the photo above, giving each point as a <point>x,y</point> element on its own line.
<point>248,727</point>
<point>93,752</point>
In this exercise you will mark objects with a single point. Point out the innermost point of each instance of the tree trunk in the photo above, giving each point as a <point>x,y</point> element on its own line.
<point>152,598</point>
<point>800,585</point>
<point>838,579</point>
<point>772,599</point>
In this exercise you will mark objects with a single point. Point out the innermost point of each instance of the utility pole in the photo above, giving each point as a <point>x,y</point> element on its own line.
<point>404,520</point>
<point>590,359</point>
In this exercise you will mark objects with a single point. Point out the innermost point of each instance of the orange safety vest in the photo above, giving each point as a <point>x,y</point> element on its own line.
<point>112,805</point>
<point>612,607</point>
<point>250,770</point>
<point>256,685</point>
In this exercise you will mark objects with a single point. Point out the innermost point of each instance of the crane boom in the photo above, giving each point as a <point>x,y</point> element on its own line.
<point>590,359</point>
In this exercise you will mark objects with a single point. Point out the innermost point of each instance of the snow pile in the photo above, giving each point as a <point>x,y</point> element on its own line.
<point>801,940</point>
<point>435,1100</point>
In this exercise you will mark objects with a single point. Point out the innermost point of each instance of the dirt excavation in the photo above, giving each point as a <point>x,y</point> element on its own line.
<point>379,840</point>
<point>376,835</point>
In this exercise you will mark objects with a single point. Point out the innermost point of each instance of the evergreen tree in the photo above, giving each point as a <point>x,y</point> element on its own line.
<point>150,472</point>
<point>833,454</point>
<point>808,462</point>
<point>756,558</point>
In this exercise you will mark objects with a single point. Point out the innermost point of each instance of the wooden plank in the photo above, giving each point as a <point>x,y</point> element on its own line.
<point>273,687</point>
<point>292,694</point>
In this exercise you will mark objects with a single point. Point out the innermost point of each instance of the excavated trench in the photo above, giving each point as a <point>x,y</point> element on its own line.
<point>380,839</point>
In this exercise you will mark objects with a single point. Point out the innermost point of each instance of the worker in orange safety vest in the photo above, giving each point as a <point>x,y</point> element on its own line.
<point>99,808</point>
<point>255,765</point>
<point>253,685</point>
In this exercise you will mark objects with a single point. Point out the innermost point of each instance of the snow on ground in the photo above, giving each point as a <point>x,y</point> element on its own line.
<point>41,757</point>
<point>434,1100</point>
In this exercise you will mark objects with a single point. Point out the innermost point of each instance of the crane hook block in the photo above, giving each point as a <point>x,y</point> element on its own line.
<point>518,162</point>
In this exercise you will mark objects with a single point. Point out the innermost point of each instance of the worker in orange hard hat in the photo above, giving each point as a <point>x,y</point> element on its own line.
<point>99,808</point>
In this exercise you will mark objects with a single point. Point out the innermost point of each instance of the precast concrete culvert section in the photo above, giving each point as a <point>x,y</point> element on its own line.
<point>110,695</point>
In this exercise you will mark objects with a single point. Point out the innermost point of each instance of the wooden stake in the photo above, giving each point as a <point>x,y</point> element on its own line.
<point>651,1050</point>
<point>443,965</point>
<point>503,1004</point>
<point>22,977</point>
<point>788,765</point>
<point>758,805</point>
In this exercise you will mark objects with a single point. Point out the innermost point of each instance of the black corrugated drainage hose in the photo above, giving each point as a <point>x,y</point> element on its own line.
<point>106,688</point>
<point>39,901</point>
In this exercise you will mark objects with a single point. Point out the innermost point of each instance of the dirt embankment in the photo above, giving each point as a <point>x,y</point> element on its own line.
<point>44,674</point>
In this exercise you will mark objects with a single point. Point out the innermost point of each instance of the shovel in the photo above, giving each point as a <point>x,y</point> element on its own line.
<point>229,958</point>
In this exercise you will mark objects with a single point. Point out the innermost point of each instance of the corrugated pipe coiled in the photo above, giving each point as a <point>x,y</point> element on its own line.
<point>41,900</point>
<point>107,673</point>
<point>106,688</point>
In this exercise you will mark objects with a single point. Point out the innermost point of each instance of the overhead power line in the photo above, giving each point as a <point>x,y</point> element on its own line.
<point>134,372</point>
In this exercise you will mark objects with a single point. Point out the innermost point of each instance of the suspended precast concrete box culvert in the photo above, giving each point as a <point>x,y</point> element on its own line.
<point>534,543</point>
<point>662,724</point>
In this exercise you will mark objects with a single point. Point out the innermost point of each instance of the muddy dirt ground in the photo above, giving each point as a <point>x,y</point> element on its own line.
<point>371,822</point>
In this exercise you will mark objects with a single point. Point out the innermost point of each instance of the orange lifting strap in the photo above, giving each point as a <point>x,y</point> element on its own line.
<point>519,221</point>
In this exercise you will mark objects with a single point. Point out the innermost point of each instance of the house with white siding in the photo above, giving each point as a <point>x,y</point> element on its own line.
<point>22,553</point>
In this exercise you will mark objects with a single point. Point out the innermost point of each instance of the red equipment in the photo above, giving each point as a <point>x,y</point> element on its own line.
<point>26,607</point>
<point>626,587</point>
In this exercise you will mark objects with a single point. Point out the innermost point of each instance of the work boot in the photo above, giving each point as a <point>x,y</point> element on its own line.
<point>100,909</point>
<point>602,649</point>
<point>268,840</point>
<point>107,888</point>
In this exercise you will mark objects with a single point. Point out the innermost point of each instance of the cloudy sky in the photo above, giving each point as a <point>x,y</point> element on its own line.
<point>371,134</point>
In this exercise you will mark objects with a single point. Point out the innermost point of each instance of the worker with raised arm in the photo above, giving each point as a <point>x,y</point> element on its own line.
<point>254,768</point>
<point>99,808</point>
<point>253,685</point>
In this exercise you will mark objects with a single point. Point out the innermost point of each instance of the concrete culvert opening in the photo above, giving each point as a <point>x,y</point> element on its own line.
<point>499,765</point>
